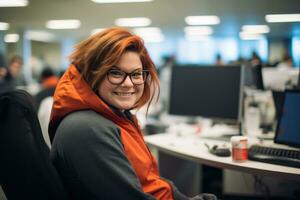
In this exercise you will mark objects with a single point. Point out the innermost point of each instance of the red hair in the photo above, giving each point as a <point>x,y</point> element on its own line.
<point>96,55</point>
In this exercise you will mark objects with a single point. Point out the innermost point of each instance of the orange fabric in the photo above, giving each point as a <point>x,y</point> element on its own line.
<point>50,82</point>
<point>73,93</point>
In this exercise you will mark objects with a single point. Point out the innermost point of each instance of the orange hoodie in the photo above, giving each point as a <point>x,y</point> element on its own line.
<point>73,94</point>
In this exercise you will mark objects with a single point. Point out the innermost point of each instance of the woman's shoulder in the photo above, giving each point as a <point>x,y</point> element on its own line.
<point>86,117</point>
<point>85,121</point>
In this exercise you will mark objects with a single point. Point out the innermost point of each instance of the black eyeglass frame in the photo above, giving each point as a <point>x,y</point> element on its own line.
<point>145,74</point>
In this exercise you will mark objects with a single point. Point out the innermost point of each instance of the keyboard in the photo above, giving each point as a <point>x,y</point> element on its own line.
<point>272,155</point>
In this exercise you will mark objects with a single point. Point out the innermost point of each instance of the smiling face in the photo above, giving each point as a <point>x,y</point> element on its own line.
<point>125,95</point>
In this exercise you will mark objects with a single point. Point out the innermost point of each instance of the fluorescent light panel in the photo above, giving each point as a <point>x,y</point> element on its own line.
<point>153,38</point>
<point>133,22</point>
<point>197,38</point>
<point>147,31</point>
<point>256,29</point>
<point>150,34</point>
<point>4,26</point>
<point>11,38</point>
<point>41,36</point>
<point>202,20</point>
<point>120,1</point>
<point>13,3</point>
<point>63,24</point>
<point>198,30</point>
<point>273,18</point>
<point>250,36</point>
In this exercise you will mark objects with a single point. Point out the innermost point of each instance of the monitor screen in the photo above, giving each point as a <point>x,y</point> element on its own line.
<point>207,91</point>
<point>288,126</point>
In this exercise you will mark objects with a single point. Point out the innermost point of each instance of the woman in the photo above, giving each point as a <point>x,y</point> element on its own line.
<point>98,147</point>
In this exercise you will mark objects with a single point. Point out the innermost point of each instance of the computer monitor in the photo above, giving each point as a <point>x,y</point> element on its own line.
<point>288,126</point>
<point>207,91</point>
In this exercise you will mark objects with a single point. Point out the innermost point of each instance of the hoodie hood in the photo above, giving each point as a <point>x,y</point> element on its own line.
<point>72,94</point>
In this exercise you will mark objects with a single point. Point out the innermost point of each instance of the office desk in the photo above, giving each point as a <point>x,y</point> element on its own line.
<point>192,148</point>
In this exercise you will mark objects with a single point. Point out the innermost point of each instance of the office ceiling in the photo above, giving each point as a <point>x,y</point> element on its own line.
<point>167,14</point>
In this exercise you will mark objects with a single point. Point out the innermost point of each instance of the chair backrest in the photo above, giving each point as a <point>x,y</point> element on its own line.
<point>26,171</point>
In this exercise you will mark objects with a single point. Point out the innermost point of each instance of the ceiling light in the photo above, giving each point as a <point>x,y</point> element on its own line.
<point>282,18</point>
<point>153,38</point>
<point>63,24</point>
<point>13,3</point>
<point>150,34</point>
<point>256,29</point>
<point>202,20</point>
<point>133,22</point>
<point>97,30</point>
<point>11,38</point>
<point>197,38</point>
<point>120,1</point>
<point>4,26</point>
<point>41,36</point>
<point>147,31</point>
<point>198,30</point>
<point>250,36</point>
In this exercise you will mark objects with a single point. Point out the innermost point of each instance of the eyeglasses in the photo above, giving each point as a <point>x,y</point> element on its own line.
<point>117,77</point>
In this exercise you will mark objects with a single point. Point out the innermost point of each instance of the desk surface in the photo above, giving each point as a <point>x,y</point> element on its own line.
<point>193,148</point>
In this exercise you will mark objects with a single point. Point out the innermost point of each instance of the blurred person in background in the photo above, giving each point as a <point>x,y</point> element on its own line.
<point>48,80</point>
<point>255,59</point>
<point>15,66</point>
<point>219,61</point>
<point>286,63</point>
<point>12,76</point>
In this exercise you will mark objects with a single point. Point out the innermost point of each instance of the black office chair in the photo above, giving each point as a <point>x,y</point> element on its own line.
<point>26,171</point>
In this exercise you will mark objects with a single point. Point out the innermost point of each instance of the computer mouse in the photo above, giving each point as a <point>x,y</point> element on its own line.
<point>220,151</point>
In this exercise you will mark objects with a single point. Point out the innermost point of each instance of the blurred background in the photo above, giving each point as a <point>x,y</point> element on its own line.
<point>37,36</point>
<point>191,31</point>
